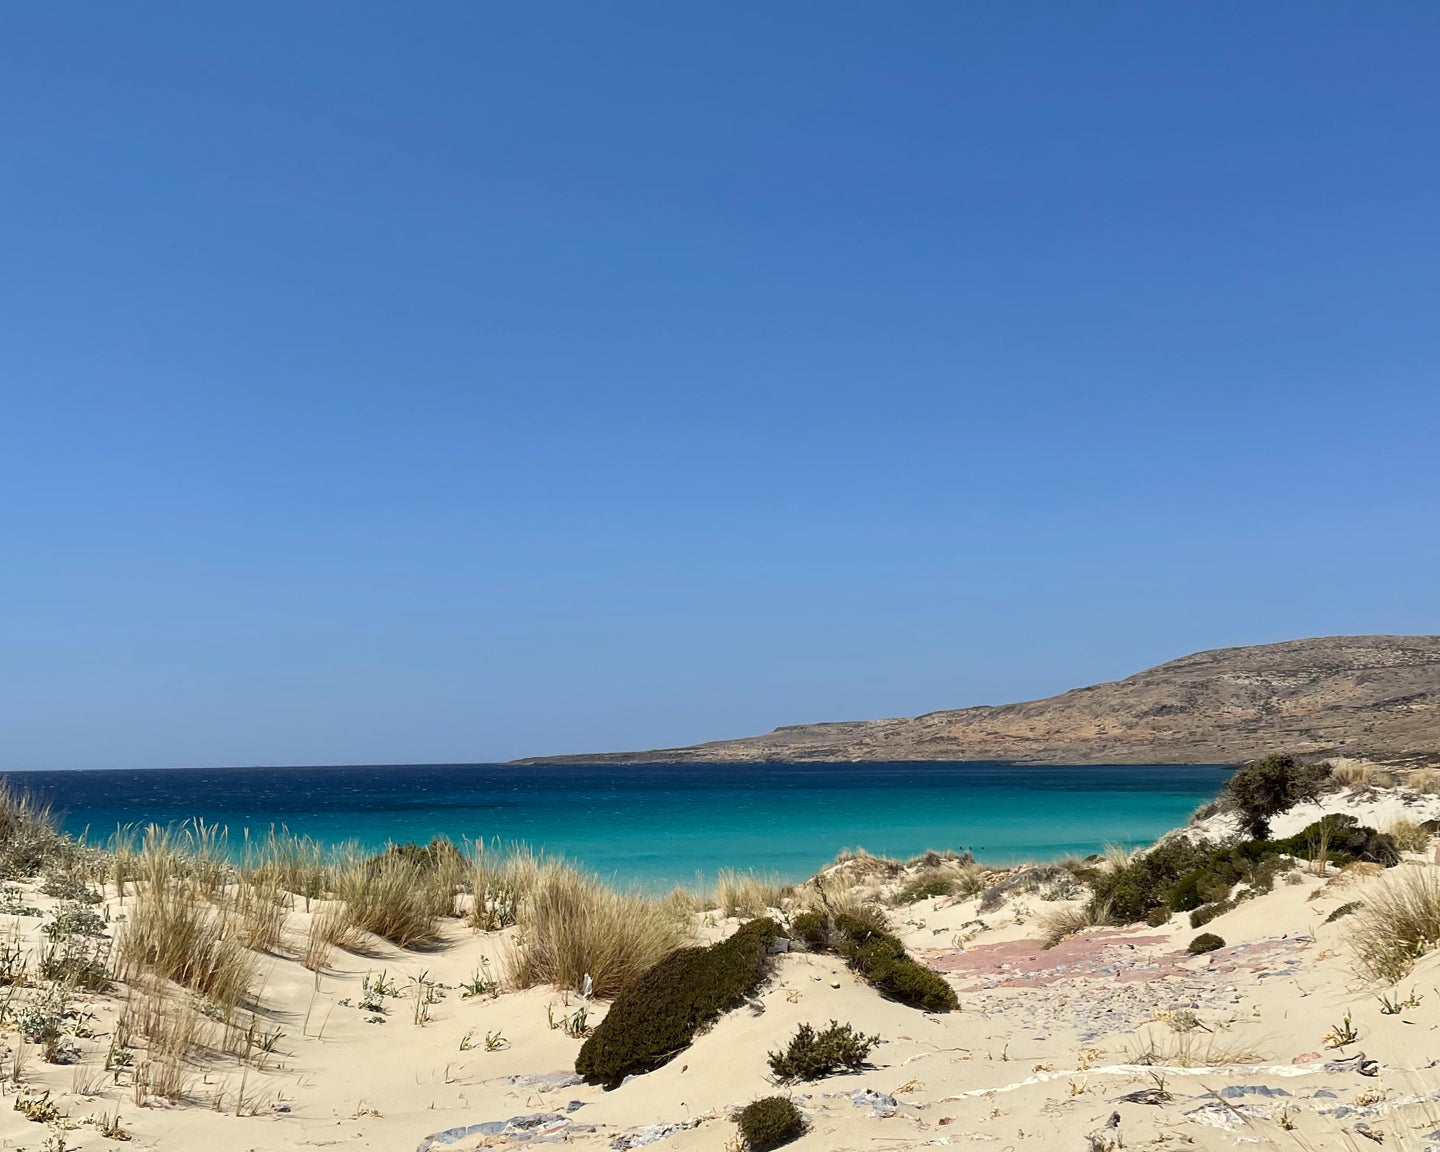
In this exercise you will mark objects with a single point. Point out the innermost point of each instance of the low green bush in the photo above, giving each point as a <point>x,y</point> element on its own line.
<point>1177,876</point>
<point>658,1015</point>
<point>881,960</point>
<point>769,1122</point>
<point>1205,942</point>
<point>1207,912</point>
<point>813,928</point>
<point>811,1054</point>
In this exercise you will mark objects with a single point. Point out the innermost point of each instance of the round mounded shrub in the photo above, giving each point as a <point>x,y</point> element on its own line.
<point>1205,942</point>
<point>769,1122</point>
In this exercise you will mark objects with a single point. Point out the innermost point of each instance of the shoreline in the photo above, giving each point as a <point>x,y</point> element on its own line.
<point>454,1039</point>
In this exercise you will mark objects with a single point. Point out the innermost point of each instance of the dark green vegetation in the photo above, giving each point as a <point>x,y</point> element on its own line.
<point>1205,942</point>
<point>811,1054</point>
<point>423,857</point>
<point>1268,787</point>
<point>659,1014</point>
<point>877,956</point>
<point>1178,876</point>
<point>769,1122</point>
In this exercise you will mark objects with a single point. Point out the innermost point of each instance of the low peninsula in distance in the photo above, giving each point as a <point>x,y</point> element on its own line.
<point>1375,698</point>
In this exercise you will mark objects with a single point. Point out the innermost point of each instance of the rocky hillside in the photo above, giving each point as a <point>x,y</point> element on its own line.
<point>1368,696</point>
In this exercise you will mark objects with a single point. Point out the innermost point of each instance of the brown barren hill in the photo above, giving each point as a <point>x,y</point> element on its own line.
<point>1367,696</point>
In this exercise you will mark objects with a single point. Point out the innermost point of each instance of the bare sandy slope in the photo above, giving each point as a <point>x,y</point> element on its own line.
<point>1042,1053</point>
<point>1367,696</point>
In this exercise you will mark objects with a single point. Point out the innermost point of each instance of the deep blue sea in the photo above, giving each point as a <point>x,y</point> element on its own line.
<point>661,823</point>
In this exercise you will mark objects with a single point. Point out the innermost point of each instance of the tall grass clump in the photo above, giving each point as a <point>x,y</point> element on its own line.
<point>500,883</point>
<point>29,838</point>
<point>745,894</point>
<point>174,932</point>
<point>1356,777</point>
<point>296,864</point>
<point>1425,780</point>
<point>1409,836</point>
<point>572,926</point>
<point>389,896</point>
<point>1399,921</point>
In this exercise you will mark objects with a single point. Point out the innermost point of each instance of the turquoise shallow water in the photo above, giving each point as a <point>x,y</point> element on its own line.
<point>662,823</point>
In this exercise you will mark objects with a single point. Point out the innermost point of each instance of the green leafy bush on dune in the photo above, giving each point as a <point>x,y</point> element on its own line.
<point>1205,942</point>
<point>881,960</point>
<point>812,1054</point>
<point>769,1122</point>
<point>658,1015</point>
<point>1177,876</point>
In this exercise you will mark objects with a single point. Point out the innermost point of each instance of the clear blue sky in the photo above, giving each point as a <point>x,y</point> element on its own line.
<point>459,382</point>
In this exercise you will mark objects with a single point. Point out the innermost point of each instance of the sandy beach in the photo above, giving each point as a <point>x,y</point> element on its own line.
<point>1114,1037</point>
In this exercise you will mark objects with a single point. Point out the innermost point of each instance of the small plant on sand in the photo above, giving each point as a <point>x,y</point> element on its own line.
<point>1394,1005</point>
<point>64,887</point>
<point>1205,942</point>
<point>110,1127</point>
<point>38,1109</point>
<point>495,1041</point>
<point>12,903</point>
<point>1341,1034</point>
<point>74,920</point>
<point>811,1054</point>
<point>768,1123</point>
<point>1057,924</point>
<point>481,983</point>
<point>656,1017</point>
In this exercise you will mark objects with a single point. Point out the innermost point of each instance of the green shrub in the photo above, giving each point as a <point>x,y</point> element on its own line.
<point>813,928</point>
<point>1158,916</point>
<point>1144,883</point>
<point>1207,912</point>
<point>1180,877</point>
<point>881,960</point>
<point>1205,942</point>
<point>811,1054</point>
<point>769,1122</point>
<point>658,1015</point>
<point>1268,787</point>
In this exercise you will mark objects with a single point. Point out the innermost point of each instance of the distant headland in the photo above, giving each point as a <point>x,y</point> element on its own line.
<point>1370,697</point>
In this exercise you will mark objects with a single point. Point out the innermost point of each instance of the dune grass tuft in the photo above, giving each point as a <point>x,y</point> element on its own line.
<point>572,925</point>
<point>1398,921</point>
<point>745,894</point>
<point>1409,836</point>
